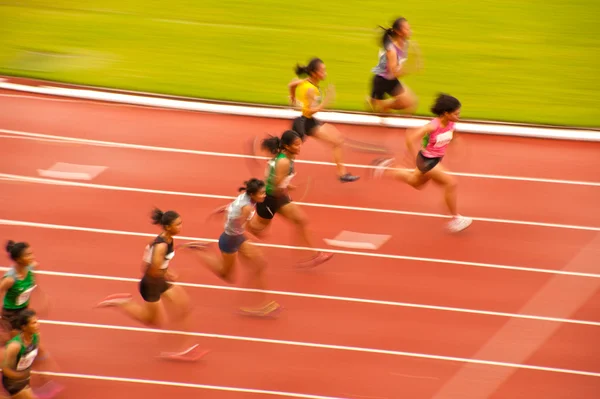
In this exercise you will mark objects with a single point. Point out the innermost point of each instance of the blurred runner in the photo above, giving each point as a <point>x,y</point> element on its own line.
<point>20,354</point>
<point>157,284</point>
<point>435,138</point>
<point>234,241</point>
<point>17,285</point>
<point>392,66</point>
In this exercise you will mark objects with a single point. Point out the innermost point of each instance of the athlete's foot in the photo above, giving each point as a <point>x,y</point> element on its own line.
<point>191,354</point>
<point>459,223</point>
<point>272,309</point>
<point>49,390</point>
<point>197,245</point>
<point>380,165</point>
<point>319,259</point>
<point>346,178</point>
<point>114,300</point>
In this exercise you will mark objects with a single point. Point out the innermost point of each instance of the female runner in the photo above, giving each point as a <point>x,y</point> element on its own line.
<point>156,285</point>
<point>307,93</point>
<point>435,138</point>
<point>391,66</point>
<point>233,240</point>
<point>20,353</point>
<point>280,172</point>
<point>17,285</point>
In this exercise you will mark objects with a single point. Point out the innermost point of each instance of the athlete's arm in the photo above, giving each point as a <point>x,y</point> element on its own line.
<point>292,88</point>
<point>281,172</point>
<point>310,97</point>
<point>5,285</point>
<point>246,211</point>
<point>417,136</point>
<point>9,368</point>
<point>158,256</point>
<point>392,63</point>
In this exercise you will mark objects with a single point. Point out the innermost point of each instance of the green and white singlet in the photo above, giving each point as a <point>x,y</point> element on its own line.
<point>271,175</point>
<point>17,296</point>
<point>27,354</point>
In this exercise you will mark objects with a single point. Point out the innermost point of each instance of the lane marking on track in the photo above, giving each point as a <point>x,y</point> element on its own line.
<point>332,298</point>
<point>349,239</point>
<point>71,171</point>
<point>29,179</point>
<point>279,246</point>
<point>183,385</point>
<point>102,143</point>
<point>326,346</point>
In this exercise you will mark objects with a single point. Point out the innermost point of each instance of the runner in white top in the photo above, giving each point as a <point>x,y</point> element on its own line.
<point>234,240</point>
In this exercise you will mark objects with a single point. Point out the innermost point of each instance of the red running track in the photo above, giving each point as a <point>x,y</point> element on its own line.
<point>421,298</point>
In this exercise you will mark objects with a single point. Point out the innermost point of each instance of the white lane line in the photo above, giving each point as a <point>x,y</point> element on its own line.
<point>336,251</point>
<point>244,156</point>
<point>326,346</point>
<point>6,176</point>
<point>183,385</point>
<point>332,298</point>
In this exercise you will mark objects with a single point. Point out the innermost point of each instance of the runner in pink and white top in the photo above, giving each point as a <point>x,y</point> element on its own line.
<point>435,138</point>
<point>436,142</point>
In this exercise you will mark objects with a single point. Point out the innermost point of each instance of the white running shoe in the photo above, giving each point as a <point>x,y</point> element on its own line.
<point>380,166</point>
<point>459,223</point>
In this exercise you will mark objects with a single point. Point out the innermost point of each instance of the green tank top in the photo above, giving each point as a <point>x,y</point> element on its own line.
<point>27,354</point>
<point>17,297</point>
<point>270,175</point>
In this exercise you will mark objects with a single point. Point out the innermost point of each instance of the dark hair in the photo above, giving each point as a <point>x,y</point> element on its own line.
<point>163,218</point>
<point>252,186</point>
<point>445,103</point>
<point>275,144</point>
<point>310,68</point>
<point>24,317</point>
<point>389,33</point>
<point>15,249</point>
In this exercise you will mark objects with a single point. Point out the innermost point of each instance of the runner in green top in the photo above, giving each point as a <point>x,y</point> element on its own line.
<point>20,353</point>
<point>279,174</point>
<point>17,284</point>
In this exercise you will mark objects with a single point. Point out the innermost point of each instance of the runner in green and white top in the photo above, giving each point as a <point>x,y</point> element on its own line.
<point>17,284</point>
<point>20,353</point>
<point>279,174</point>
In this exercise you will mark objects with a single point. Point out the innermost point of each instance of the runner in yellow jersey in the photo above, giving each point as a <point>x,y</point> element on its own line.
<point>307,94</point>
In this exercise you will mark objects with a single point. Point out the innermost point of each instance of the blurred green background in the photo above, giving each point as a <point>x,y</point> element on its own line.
<point>513,60</point>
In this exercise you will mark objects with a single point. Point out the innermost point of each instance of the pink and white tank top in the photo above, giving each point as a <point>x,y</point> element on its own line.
<point>436,142</point>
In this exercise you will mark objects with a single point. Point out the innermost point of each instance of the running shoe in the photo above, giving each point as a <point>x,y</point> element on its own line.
<point>459,223</point>
<point>114,300</point>
<point>48,391</point>
<point>192,354</point>
<point>319,259</point>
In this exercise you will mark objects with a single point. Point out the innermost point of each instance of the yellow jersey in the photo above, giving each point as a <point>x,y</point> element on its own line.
<point>302,98</point>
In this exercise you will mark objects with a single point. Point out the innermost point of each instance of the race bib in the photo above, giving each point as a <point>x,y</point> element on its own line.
<point>26,361</point>
<point>25,295</point>
<point>444,139</point>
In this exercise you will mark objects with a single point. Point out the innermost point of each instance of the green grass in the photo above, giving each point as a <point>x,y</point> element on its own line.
<point>514,60</point>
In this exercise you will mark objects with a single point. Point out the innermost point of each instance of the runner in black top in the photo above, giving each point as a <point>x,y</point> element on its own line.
<point>157,284</point>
